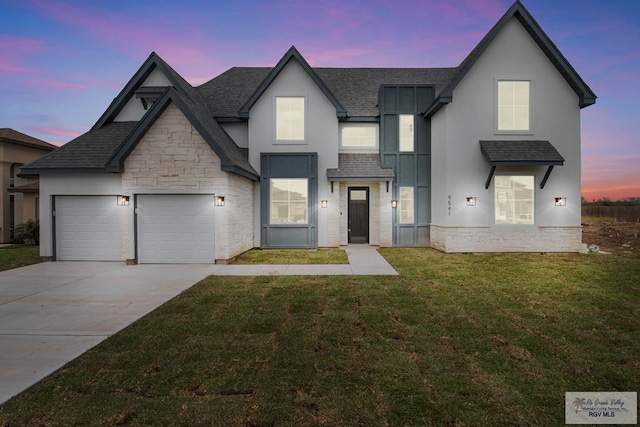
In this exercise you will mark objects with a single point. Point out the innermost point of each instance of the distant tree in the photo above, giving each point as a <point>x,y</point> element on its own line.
<point>606,201</point>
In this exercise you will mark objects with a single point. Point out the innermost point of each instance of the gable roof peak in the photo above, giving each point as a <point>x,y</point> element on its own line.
<point>292,53</point>
<point>519,12</point>
<point>153,62</point>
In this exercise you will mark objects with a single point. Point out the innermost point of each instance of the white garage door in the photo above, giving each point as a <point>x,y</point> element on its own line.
<point>88,228</point>
<point>176,229</point>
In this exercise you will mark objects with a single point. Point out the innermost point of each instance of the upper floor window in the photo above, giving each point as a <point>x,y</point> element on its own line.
<point>290,118</point>
<point>359,136</point>
<point>514,105</point>
<point>405,132</point>
<point>514,199</point>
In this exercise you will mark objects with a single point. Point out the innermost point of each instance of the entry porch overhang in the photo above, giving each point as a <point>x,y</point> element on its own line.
<point>359,167</point>
<point>520,153</point>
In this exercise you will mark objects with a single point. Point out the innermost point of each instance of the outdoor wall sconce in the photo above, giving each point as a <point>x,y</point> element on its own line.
<point>324,203</point>
<point>471,201</point>
<point>123,200</point>
<point>394,203</point>
<point>561,201</point>
<point>219,201</point>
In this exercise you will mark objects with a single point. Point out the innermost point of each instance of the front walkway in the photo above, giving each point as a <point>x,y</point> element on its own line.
<point>364,260</point>
<point>50,313</point>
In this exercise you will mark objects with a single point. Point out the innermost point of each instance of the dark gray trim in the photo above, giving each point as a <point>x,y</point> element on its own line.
<point>362,119</point>
<point>135,228</point>
<point>546,177</point>
<point>53,228</point>
<point>116,161</point>
<point>289,235</point>
<point>71,171</point>
<point>355,178</point>
<point>292,53</point>
<point>517,10</point>
<point>153,61</point>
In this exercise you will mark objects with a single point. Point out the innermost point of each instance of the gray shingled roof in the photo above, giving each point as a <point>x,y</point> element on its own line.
<point>13,136</point>
<point>520,153</point>
<point>88,151</point>
<point>355,88</point>
<point>359,166</point>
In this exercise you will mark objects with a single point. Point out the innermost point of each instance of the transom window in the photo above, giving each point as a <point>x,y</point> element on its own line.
<point>514,112</point>
<point>405,205</point>
<point>359,136</point>
<point>289,200</point>
<point>405,132</point>
<point>290,118</point>
<point>514,199</point>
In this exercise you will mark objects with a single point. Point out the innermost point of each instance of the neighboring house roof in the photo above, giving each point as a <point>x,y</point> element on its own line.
<point>33,187</point>
<point>15,137</point>
<point>359,167</point>
<point>292,53</point>
<point>518,11</point>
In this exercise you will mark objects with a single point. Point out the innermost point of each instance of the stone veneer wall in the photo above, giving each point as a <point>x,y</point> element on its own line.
<point>172,157</point>
<point>507,239</point>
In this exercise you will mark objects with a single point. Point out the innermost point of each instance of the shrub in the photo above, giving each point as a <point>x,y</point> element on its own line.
<point>27,233</point>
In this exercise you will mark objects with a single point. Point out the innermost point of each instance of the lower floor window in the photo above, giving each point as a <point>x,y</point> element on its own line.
<point>405,205</point>
<point>289,200</point>
<point>514,199</point>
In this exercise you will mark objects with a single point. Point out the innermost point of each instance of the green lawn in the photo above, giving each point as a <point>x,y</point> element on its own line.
<point>457,339</point>
<point>293,256</point>
<point>19,256</point>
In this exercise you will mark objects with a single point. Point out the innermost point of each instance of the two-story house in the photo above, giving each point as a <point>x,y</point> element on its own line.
<point>18,193</point>
<point>483,157</point>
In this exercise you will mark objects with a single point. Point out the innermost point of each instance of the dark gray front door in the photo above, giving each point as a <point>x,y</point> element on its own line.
<point>358,215</point>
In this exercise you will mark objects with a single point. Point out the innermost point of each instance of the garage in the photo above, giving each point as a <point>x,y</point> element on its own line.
<point>175,228</point>
<point>88,228</point>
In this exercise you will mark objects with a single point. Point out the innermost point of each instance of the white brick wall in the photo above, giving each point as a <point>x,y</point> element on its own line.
<point>506,239</point>
<point>172,157</point>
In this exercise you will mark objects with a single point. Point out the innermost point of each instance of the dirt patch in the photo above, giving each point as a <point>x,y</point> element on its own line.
<point>616,237</point>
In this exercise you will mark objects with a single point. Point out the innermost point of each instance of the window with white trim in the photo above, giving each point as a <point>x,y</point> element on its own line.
<point>514,105</point>
<point>290,118</point>
<point>514,199</point>
<point>405,205</point>
<point>405,132</point>
<point>359,136</point>
<point>289,200</point>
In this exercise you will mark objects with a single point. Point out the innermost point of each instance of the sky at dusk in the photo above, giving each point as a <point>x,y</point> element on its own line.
<point>63,61</point>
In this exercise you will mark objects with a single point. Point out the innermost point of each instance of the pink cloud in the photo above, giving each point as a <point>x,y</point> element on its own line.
<point>53,135</point>
<point>611,175</point>
<point>12,53</point>
<point>65,85</point>
<point>133,34</point>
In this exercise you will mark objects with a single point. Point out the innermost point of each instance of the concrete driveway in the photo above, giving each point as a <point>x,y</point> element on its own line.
<point>51,313</point>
